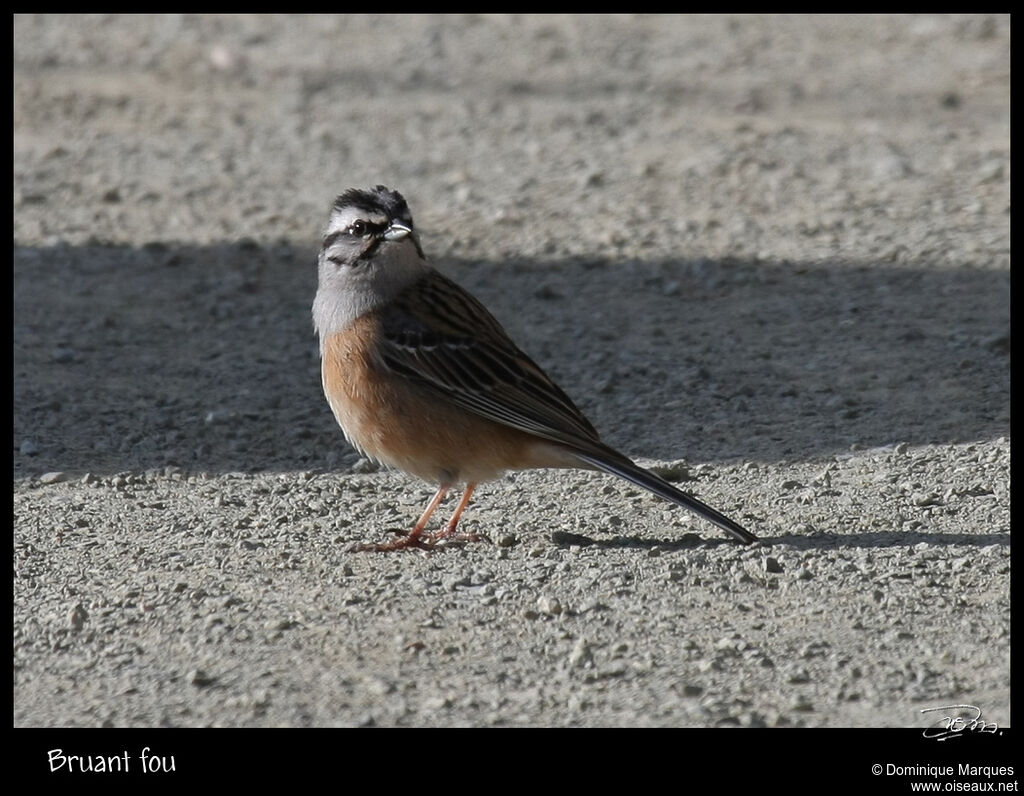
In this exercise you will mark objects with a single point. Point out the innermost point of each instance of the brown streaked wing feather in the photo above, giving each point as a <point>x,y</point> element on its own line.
<point>441,337</point>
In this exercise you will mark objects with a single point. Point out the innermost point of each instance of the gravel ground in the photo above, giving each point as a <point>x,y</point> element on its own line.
<point>767,256</point>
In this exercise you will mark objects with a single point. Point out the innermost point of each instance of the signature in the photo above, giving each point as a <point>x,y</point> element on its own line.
<point>950,727</point>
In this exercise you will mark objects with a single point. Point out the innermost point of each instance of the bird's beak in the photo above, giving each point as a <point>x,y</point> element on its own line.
<point>396,231</point>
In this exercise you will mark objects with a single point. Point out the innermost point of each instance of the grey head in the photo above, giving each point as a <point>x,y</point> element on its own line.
<point>370,253</point>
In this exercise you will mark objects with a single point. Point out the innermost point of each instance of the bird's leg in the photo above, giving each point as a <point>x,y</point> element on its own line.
<point>416,537</point>
<point>449,531</point>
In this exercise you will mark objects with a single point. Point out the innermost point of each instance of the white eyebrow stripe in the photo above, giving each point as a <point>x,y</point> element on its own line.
<point>347,216</point>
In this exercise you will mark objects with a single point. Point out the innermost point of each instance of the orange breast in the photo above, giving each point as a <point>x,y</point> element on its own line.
<point>404,426</point>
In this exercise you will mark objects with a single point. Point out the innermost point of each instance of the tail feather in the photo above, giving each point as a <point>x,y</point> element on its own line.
<point>619,465</point>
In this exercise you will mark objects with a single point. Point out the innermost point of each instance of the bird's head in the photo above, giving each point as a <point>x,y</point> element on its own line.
<point>370,253</point>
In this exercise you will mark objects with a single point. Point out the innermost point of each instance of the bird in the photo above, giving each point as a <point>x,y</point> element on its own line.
<point>422,378</point>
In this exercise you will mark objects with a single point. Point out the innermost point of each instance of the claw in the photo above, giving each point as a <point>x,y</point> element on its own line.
<point>416,538</point>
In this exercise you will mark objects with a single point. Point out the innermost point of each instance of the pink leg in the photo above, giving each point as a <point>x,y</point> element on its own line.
<point>416,537</point>
<point>449,531</point>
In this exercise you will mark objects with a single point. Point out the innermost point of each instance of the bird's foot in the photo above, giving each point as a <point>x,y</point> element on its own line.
<point>420,541</point>
<point>408,541</point>
<point>451,536</point>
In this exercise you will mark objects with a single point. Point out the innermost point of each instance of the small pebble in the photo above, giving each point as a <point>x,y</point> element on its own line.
<point>799,676</point>
<point>891,167</point>
<point>580,656</point>
<point>950,100</point>
<point>77,617</point>
<point>990,171</point>
<point>199,678</point>
<point>803,704</point>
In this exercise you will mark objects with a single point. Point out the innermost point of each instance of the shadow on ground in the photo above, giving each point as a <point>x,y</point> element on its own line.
<point>204,357</point>
<point>818,541</point>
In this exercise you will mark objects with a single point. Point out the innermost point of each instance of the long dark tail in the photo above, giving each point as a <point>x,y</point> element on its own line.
<point>617,464</point>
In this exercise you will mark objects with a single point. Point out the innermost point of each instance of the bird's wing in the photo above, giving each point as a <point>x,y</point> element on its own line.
<point>439,336</point>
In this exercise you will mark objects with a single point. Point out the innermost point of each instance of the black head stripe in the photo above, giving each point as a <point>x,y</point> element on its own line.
<point>376,200</point>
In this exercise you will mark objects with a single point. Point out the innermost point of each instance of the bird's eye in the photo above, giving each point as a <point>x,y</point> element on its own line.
<point>358,229</point>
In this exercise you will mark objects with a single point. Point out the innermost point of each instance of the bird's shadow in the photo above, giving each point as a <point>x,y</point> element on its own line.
<point>879,540</point>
